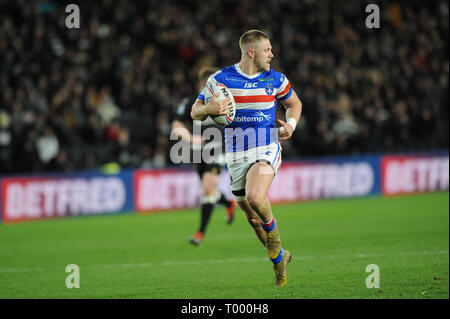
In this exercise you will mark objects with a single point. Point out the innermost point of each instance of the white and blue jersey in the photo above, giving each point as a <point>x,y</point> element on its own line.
<point>256,101</point>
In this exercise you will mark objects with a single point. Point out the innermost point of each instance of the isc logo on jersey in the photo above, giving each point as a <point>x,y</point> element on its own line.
<point>250,85</point>
<point>224,92</point>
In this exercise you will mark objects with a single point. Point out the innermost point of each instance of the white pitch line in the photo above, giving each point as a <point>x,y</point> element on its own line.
<point>221,261</point>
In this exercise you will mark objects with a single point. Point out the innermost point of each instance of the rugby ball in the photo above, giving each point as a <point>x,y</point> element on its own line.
<point>224,93</point>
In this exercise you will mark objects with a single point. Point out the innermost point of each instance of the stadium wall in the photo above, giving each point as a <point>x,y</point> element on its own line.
<point>89,193</point>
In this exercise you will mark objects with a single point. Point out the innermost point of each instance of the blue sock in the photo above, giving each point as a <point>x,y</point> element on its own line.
<point>278,258</point>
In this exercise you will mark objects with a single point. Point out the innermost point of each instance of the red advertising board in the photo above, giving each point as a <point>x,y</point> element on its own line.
<point>301,181</point>
<point>414,174</point>
<point>156,190</point>
<point>30,198</point>
<point>166,189</point>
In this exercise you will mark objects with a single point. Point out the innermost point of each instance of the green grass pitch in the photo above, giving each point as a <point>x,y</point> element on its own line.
<point>148,255</point>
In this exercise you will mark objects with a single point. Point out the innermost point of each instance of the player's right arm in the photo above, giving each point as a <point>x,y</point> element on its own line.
<point>200,111</point>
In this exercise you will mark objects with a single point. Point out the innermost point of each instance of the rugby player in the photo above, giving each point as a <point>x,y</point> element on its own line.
<point>253,151</point>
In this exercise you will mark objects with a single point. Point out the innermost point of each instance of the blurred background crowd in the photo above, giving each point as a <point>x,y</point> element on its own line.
<point>79,98</point>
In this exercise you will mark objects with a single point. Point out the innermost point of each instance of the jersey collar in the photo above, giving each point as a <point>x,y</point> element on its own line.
<point>239,70</point>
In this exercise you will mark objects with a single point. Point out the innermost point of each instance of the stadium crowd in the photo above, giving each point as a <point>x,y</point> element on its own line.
<point>79,98</point>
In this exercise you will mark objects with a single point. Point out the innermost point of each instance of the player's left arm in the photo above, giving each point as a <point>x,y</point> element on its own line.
<point>293,107</point>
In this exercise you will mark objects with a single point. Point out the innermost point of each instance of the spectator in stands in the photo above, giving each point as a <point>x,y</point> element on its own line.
<point>47,146</point>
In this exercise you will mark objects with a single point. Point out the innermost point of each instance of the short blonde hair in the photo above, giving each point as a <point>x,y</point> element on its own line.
<point>251,36</point>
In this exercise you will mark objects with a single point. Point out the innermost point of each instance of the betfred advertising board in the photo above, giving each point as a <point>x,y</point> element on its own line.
<point>336,178</point>
<point>30,198</point>
<point>414,174</point>
<point>166,189</point>
<point>159,190</point>
<point>295,181</point>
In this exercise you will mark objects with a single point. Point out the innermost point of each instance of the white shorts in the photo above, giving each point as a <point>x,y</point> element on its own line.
<point>240,162</point>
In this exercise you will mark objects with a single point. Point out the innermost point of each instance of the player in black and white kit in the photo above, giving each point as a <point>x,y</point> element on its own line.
<point>208,172</point>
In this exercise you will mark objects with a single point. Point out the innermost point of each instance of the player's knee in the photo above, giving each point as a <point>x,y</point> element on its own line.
<point>254,222</point>
<point>255,199</point>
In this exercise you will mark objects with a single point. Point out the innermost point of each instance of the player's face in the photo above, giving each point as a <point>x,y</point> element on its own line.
<point>263,55</point>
